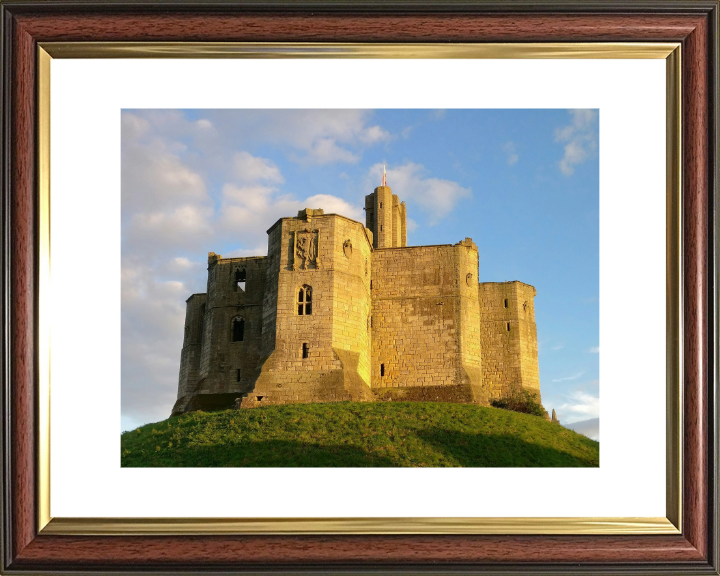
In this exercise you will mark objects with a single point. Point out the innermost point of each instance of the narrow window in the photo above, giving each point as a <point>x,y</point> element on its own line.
<point>237,375</point>
<point>506,303</point>
<point>306,350</point>
<point>380,204</point>
<point>508,326</point>
<point>370,284</point>
<point>240,279</point>
<point>304,302</point>
<point>382,369</point>
<point>238,330</point>
<point>381,227</point>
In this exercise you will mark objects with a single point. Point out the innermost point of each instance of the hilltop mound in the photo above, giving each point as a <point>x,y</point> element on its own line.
<point>353,434</point>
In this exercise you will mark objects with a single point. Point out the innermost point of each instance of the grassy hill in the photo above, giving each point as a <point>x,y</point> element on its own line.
<point>352,434</point>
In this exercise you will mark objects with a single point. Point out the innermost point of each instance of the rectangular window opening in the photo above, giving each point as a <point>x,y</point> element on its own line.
<point>259,398</point>
<point>506,302</point>
<point>306,350</point>
<point>241,285</point>
<point>508,326</point>
<point>300,309</point>
<point>237,375</point>
<point>238,330</point>
<point>382,369</point>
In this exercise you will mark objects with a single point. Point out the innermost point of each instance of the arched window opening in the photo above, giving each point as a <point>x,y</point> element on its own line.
<point>304,302</point>
<point>238,330</point>
<point>240,279</point>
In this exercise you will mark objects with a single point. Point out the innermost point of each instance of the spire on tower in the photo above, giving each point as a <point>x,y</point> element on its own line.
<point>384,178</point>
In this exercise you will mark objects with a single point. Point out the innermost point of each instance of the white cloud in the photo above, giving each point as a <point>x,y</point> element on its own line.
<point>334,205</point>
<point>312,137</point>
<point>595,350</point>
<point>411,225</point>
<point>154,177</point>
<point>133,126</point>
<point>578,405</point>
<point>573,377</point>
<point>410,182</point>
<point>249,168</point>
<point>247,212</point>
<point>373,135</point>
<point>152,325</point>
<point>512,155</point>
<point>149,233</point>
<point>580,137</point>
<point>558,347</point>
<point>325,151</point>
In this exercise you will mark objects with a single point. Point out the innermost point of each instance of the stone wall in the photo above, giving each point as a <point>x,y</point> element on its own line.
<point>192,343</point>
<point>425,323</point>
<point>222,357</point>
<point>322,355</point>
<point>508,337</point>
<point>414,331</point>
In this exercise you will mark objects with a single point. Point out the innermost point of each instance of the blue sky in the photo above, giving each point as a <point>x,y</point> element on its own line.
<point>523,184</point>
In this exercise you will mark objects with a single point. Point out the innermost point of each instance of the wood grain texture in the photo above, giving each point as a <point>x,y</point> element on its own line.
<point>695,237</point>
<point>225,551</point>
<point>318,27</point>
<point>22,292</point>
<point>664,554</point>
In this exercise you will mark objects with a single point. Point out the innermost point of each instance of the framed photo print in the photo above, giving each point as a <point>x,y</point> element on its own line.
<point>344,287</point>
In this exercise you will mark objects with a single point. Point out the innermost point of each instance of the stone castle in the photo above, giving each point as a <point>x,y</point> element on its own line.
<point>341,311</point>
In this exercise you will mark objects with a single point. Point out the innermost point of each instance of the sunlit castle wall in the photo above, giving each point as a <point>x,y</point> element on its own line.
<point>317,339</point>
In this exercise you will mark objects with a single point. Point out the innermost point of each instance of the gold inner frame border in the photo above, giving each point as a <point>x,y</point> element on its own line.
<point>671,524</point>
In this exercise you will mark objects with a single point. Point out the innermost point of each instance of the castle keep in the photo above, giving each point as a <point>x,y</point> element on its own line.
<point>341,311</point>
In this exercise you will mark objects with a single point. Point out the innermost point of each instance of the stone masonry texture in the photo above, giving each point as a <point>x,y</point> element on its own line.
<point>341,311</point>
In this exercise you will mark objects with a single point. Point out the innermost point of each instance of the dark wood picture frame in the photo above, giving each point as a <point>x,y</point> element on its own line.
<point>692,23</point>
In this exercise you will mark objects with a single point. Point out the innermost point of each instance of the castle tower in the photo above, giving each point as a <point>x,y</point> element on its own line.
<point>386,217</point>
<point>316,328</point>
<point>508,337</point>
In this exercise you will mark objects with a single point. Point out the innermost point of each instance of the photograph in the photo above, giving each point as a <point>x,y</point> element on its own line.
<point>360,288</point>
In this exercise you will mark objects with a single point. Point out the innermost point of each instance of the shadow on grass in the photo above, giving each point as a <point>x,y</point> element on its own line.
<point>500,451</point>
<point>272,453</point>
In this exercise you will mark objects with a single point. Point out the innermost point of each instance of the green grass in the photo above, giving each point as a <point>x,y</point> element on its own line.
<point>353,434</point>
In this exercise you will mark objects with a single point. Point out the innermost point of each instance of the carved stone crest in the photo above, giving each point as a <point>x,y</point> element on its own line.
<point>347,248</point>
<point>306,249</point>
